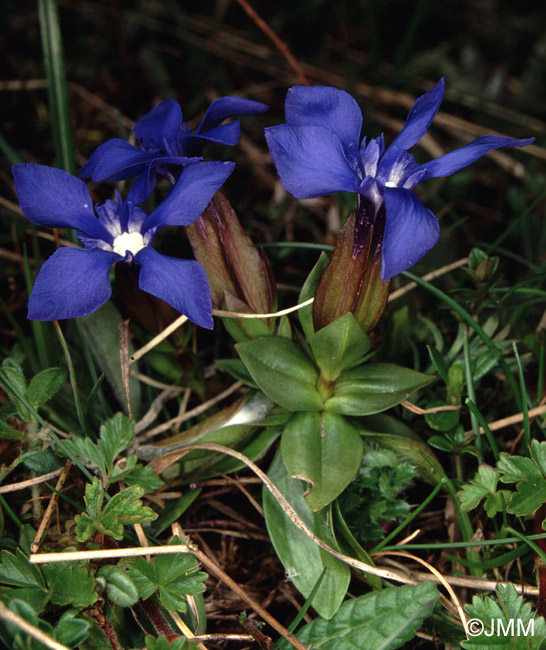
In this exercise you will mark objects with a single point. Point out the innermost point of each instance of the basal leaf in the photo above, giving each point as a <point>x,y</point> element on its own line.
<point>16,570</point>
<point>367,622</point>
<point>303,560</point>
<point>120,587</point>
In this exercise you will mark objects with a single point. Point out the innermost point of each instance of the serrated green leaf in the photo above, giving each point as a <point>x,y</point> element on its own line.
<point>16,570</point>
<point>135,474</point>
<point>15,379</point>
<point>174,575</point>
<point>42,462</point>
<point>529,475</point>
<point>73,586</point>
<point>116,434</point>
<point>282,371</point>
<point>374,388</point>
<point>85,448</point>
<point>44,385</point>
<point>483,485</point>
<point>367,622</point>
<point>123,509</point>
<point>507,615</point>
<point>324,450</point>
<point>120,586</point>
<point>303,560</point>
<point>339,345</point>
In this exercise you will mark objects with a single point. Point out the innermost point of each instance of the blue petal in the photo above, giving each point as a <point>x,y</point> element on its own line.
<point>225,107</point>
<point>324,106</point>
<point>54,198</point>
<point>228,134</point>
<point>451,162</point>
<point>419,119</point>
<point>410,231</point>
<point>115,160</point>
<point>159,126</point>
<point>181,283</point>
<point>310,161</point>
<point>73,282</point>
<point>190,196</point>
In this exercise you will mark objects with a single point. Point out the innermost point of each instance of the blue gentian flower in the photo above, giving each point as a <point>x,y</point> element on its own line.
<point>166,142</point>
<point>75,281</point>
<point>318,152</point>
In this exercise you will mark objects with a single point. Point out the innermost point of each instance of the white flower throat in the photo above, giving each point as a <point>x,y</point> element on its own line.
<point>128,241</point>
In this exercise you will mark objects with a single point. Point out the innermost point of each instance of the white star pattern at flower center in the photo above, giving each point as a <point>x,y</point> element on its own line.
<point>128,241</point>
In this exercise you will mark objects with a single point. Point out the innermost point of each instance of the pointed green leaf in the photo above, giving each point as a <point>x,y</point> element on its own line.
<point>282,372</point>
<point>44,385</point>
<point>373,621</point>
<point>374,388</point>
<point>339,345</point>
<point>325,451</point>
<point>305,314</point>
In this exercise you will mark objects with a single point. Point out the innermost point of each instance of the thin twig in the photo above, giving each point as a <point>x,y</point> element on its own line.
<point>29,629</point>
<point>123,331</point>
<point>22,485</point>
<point>191,414</point>
<point>435,409</point>
<point>280,45</point>
<point>282,312</point>
<point>429,276</point>
<point>50,506</point>
<point>506,422</point>
<point>157,339</point>
<point>108,553</point>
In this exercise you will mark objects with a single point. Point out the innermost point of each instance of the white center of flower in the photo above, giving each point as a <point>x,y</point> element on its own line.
<point>128,241</point>
<point>391,184</point>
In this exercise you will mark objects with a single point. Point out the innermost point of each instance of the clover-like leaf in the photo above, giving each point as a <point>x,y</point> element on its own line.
<point>484,486</point>
<point>508,623</point>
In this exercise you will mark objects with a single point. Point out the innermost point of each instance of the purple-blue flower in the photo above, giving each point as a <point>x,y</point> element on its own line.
<point>75,281</point>
<point>318,152</point>
<point>166,142</point>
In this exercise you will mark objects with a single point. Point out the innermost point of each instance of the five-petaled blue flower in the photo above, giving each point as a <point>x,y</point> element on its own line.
<point>317,152</point>
<point>166,142</point>
<point>75,281</point>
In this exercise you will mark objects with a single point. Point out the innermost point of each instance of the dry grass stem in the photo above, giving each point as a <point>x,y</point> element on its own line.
<point>429,276</point>
<point>29,629</point>
<point>157,339</point>
<point>50,507</point>
<point>506,422</point>
<point>22,485</point>
<point>282,312</point>
<point>108,553</point>
<point>435,409</point>
<point>191,414</point>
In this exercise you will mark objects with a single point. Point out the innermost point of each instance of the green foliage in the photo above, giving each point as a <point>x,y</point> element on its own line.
<point>484,486</point>
<point>123,509</point>
<point>161,643</point>
<point>42,387</point>
<point>384,619</point>
<point>302,559</point>
<point>282,372</point>
<point>323,450</point>
<point>529,474</point>
<point>120,587</point>
<point>116,435</point>
<point>339,346</point>
<point>510,611</point>
<point>174,576</point>
<point>372,500</point>
<point>374,388</point>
